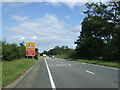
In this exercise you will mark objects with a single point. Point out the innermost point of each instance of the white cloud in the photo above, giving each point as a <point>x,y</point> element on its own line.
<point>34,37</point>
<point>54,3</point>
<point>22,38</point>
<point>71,5</point>
<point>67,17</point>
<point>19,18</point>
<point>46,31</point>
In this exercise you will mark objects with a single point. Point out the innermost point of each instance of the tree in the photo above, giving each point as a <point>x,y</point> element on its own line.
<point>100,33</point>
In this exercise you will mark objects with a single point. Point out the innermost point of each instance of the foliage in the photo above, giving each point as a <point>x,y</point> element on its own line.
<point>100,35</point>
<point>14,51</point>
<point>63,51</point>
<point>36,54</point>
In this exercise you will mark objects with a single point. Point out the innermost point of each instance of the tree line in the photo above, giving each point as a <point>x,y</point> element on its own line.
<point>11,51</point>
<point>60,51</point>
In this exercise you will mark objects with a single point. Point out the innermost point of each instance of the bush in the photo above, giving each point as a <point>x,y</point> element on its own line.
<point>12,51</point>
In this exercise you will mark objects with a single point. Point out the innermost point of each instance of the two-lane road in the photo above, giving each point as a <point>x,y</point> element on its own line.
<point>58,73</point>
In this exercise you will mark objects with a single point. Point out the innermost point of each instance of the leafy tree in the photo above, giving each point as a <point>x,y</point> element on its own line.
<point>100,33</point>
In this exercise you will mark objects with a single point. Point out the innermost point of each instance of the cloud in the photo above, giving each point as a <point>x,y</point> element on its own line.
<point>54,3</point>
<point>22,38</point>
<point>46,31</point>
<point>67,17</point>
<point>19,18</point>
<point>34,37</point>
<point>71,5</point>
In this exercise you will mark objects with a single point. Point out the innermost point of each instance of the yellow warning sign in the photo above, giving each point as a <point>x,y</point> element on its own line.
<point>30,46</point>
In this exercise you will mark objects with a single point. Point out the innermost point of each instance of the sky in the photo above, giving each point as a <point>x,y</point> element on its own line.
<point>48,24</point>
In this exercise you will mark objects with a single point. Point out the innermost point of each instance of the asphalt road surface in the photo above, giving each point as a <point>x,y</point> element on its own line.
<point>59,73</point>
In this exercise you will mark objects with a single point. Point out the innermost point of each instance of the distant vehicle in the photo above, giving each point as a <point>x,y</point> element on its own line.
<point>53,57</point>
<point>44,55</point>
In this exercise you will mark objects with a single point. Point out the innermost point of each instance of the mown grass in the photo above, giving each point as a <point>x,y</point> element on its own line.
<point>11,70</point>
<point>98,62</point>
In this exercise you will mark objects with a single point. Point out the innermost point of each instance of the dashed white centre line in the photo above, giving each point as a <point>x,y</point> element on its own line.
<point>50,76</point>
<point>89,72</point>
<point>69,64</point>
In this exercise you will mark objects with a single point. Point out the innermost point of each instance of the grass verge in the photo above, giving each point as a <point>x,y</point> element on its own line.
<point>98,62</point>
<point>0,75</point>
<point>11,70</point>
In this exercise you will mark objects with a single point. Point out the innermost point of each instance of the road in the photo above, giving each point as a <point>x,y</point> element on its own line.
<point>59,73</point>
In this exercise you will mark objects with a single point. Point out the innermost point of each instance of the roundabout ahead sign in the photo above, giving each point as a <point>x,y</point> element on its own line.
<point>30,49</point>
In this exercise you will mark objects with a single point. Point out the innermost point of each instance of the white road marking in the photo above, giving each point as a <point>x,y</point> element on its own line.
<point>50,76</point>
<point>69,64</point>
<point>89,72</point>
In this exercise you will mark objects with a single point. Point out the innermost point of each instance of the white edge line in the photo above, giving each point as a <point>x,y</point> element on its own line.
<point>50,76</point>
<point>89,72</point>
